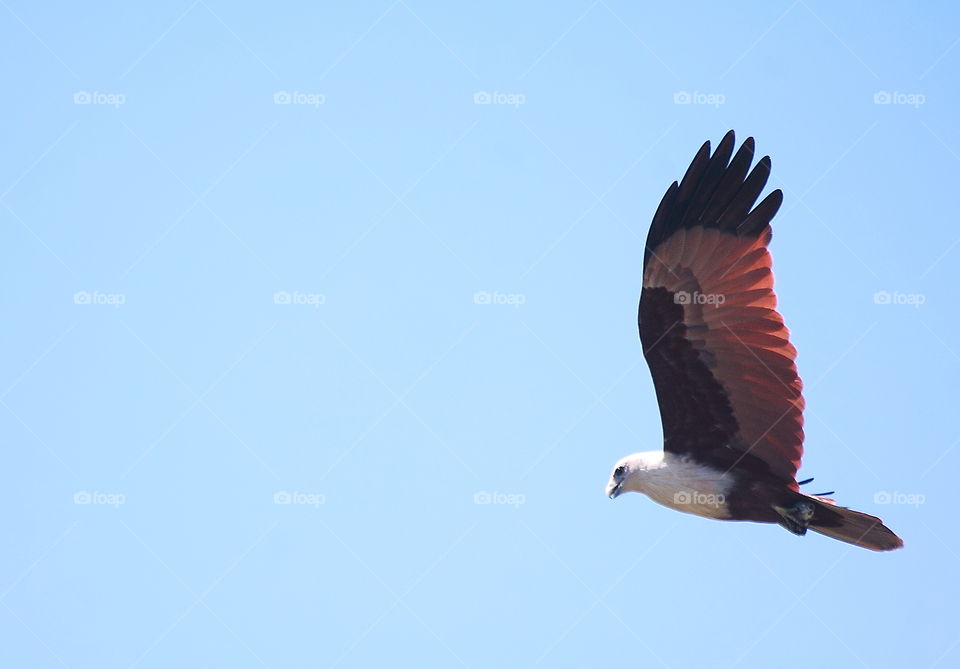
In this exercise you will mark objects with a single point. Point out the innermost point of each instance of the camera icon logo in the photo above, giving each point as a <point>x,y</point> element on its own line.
<point>482,297</point>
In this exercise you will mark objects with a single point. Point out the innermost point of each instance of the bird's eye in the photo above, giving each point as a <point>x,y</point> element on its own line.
<point>618,472</point>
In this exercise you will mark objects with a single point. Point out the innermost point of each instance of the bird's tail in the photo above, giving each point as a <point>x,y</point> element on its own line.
<point>853,527</point>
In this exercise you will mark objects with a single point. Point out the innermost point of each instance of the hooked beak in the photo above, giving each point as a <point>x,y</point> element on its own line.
<point>613,490</point>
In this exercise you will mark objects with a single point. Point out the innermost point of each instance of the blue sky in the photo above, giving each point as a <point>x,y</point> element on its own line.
<point>259,255</point>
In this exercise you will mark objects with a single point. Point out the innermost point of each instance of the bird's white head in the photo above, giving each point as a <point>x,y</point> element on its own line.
<point>630,472</point>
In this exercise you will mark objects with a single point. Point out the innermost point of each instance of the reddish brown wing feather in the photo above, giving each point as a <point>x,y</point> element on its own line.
<point>719,353</point>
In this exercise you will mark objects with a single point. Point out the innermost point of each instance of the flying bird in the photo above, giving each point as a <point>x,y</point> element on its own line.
<point>723,368</point>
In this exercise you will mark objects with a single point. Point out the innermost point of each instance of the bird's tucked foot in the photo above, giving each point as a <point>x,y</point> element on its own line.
<point>797,517</point>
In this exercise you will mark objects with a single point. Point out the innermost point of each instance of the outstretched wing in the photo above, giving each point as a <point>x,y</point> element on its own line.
<point>719,353</point>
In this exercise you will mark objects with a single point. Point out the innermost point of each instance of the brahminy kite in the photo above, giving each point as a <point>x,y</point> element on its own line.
<point>722,363</point>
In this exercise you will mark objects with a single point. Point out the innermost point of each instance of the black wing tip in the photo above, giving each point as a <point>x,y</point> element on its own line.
<point>718,192</point>
<point>729,139</point>
<point>759,219</point>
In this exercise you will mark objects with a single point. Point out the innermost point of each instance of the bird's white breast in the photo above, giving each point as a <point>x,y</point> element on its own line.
<point>685,485</point>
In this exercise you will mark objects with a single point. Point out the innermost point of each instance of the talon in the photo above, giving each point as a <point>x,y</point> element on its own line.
<point>796,518</point>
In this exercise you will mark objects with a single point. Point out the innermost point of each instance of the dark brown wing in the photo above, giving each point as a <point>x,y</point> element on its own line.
<point>719,353</point>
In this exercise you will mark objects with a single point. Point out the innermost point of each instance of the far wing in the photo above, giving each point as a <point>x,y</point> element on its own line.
<point>718,350</point>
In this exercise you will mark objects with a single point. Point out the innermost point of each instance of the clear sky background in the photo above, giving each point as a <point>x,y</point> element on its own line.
<point>215,302</point>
